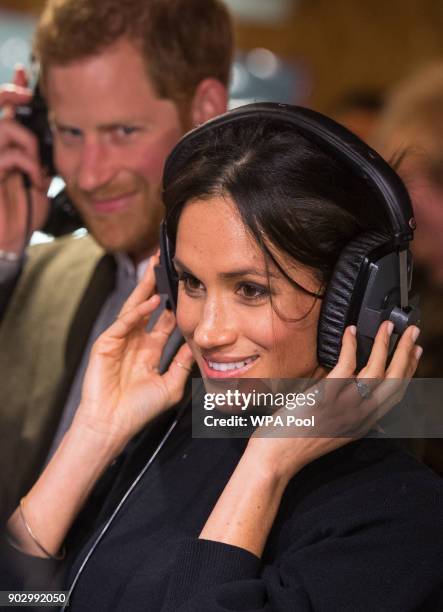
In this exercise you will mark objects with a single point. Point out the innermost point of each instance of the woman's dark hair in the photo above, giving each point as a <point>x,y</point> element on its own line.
<point>290,193</point>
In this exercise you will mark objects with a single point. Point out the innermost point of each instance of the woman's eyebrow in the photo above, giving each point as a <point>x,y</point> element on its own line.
<point>232,273</point>
<point>248,272</point>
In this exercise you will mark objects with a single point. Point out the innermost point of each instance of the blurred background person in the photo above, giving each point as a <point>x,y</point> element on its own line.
<point>410,135</point>
<point>359,111</point>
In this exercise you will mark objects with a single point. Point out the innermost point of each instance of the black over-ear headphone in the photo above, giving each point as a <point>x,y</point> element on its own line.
<point>371,280</point>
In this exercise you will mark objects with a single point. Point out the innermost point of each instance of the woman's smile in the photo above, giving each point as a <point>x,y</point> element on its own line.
<point>226,367</point>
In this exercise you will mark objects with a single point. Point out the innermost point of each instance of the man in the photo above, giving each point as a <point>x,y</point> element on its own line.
<point>123,82</point>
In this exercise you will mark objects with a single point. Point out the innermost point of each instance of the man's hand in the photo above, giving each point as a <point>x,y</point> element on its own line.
<point>18,155</point>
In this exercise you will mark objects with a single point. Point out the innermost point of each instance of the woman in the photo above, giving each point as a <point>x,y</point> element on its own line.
<point>258,217</point>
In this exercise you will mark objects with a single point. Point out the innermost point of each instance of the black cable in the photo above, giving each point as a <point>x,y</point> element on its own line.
<point>28,223</point>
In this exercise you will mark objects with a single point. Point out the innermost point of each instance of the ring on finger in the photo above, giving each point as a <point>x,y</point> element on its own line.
<point>364,390</point>
<point>182,365</point>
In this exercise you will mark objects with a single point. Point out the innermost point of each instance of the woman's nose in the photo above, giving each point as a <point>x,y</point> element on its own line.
<point>215,327</point>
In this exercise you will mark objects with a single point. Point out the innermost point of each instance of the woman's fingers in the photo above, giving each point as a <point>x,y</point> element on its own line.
<point>406,356</point>
<point>347,362</point>
<point>159,336</point>
<point>354,405</point>
<point>376,366</point>
<point>129,320</point>
<point>396,378</point>
<point>163,328</point>
<point>177,374</point>
<point>144,288</point>
<point>343,370</point>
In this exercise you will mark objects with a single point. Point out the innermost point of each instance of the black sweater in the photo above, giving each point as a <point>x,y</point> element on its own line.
<point>360,529</point>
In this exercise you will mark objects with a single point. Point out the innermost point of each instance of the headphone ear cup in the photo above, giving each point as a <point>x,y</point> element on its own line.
<point>166,278</point>
<point>340,295</point>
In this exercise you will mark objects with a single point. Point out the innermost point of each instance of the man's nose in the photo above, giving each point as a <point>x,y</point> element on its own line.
<point>216,326</point>
<point>95,166</point>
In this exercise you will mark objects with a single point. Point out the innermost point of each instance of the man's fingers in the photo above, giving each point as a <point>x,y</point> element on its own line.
<point>14,135</point>
<point>20,76</point>
<point>16,160</point>
<point>11,96</point>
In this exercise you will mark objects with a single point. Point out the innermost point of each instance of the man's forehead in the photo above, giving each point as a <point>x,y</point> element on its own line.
<point>117,70</point>
<point>111,88</point>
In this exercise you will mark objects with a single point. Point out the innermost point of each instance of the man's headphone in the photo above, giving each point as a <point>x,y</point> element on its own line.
<point>371,280</point>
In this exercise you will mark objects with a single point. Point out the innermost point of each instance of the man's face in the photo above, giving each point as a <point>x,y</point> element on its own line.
<point>112,134</point>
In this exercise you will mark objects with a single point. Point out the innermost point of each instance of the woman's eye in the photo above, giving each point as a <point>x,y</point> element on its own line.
<point>190,283</point>
<point>251,291</point>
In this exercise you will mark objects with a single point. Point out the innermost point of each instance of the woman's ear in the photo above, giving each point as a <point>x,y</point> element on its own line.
<point>209,101</point>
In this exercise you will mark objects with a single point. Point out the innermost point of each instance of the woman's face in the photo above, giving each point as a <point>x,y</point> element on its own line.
<point>224,308</point>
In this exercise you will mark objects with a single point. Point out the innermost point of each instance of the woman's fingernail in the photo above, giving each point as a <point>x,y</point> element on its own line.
<point>415,334</point>
<point>390,327</point>
<point>353,330</point>
<point>418,352</point>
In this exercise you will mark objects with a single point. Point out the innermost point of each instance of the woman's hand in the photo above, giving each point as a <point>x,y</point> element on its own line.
<point>257,484</point>
<point>343,412</point>
<point>122,389</point>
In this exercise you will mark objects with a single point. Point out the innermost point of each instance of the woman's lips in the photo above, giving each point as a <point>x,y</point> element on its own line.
<point>227,369</point>
<point>111,205</point>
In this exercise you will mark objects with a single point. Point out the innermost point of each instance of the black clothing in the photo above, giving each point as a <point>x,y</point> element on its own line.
<point>359,529</point>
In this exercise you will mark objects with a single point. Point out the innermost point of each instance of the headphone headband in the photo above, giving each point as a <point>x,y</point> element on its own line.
<point>329,135</point>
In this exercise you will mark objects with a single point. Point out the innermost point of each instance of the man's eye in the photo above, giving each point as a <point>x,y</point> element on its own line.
<point>68,134</point>
<point>190,283</point>
<point>125,130</point>
<point>251,291</point>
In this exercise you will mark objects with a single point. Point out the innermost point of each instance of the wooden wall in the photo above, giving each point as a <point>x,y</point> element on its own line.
<point>344,43</point>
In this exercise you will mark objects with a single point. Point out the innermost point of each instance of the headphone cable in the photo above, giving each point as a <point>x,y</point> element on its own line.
<point>123,501</point>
